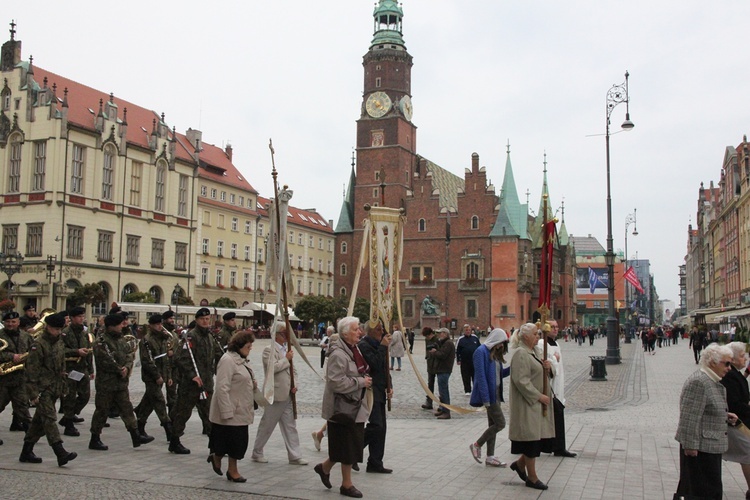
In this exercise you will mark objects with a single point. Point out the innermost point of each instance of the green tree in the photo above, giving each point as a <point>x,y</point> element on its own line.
<point>224,302</point>
<point>361,308</point>
<point>314,309</point>
<point>142,297</point>
<point>89,293</point>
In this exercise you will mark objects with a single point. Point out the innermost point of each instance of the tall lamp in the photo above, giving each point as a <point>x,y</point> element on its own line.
<point>10,264</point>
<point>617,94</point>
<point>630,219</point>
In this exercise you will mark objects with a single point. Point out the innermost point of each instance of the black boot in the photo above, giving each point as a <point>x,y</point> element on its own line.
<point>176,447</point>
<point>77,420</point>
<point>167,430</point>
<point>27,454</point>
<point>70,430</point>
<point>142,431</point>
<point>138,440</point>
<point>17,426</point>
<point>113,413</point>
<point>63,456</point>
<point>96,443</point>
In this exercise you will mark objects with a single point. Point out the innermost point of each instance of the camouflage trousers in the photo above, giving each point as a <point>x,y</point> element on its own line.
<point>188,397</point>
<point>105,400</point>
<point>77,397</point>
<point>44,422</point>
<point>172,395</point>
<point>153,400</point>
<point>16,395</point>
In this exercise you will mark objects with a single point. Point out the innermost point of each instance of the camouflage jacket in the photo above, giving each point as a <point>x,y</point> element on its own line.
<point>75,338</point>
<point>206,352</point>
<point>45,367</point>
<point>224,335</point>
<point>154,360</point>
<point>112,353</point>
<point>19,342</point>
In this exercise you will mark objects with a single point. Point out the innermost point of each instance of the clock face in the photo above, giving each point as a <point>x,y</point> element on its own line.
<point>406,107</point>
<point>378,104</point>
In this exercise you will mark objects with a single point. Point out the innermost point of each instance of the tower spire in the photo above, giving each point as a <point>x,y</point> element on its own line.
<point>388,27</point>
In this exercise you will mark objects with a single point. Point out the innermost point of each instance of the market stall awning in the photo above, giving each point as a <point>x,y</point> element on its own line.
<point>727,316</point>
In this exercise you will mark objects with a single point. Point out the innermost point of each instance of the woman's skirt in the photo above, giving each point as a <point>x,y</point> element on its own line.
<point>346,442</point>
<point>530,449</point>
<point>739,446</point>
<point>230,440</point>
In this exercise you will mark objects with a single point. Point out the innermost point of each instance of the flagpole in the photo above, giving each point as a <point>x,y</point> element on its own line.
<point>284,302</point>
<point>544,284</point>
<point>388,382</point>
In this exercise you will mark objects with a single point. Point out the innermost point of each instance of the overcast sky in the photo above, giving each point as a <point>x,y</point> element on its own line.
<point>485,72</point>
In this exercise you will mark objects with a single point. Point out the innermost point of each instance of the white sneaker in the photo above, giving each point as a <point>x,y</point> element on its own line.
<point>260,459</point>
<point>476,452</point>
<point>467,394</point>
<point>298,461</point>
<point>492,461</point>
<point>316,440</point>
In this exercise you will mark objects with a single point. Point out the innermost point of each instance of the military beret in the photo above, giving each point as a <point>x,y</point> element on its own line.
<point>229,315</point>
<point>63,314</point>
<point>154,319</point>
<point>115,310</point>
<point>167,314</point>
<point>10,315</point>
<point>191,325</point>
<point>203,311</point>
<point>112,320</point>
<point>28,307</point>
<point>77,311</point>
<point>55,320</point>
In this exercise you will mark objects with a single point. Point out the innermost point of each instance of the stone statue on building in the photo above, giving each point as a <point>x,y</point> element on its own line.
<point>429,306</point>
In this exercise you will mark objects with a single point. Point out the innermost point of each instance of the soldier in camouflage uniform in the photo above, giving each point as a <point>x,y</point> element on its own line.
<point>168,323</point>
<point>195,388</point>
<point>79,358</point>
<point>114,364</point>
<point>156,370</point>
<point>45,382</point>
<point>227,330</point>
<point>13,385</point>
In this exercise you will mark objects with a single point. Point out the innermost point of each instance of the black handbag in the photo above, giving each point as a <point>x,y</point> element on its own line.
<point>345,409</point>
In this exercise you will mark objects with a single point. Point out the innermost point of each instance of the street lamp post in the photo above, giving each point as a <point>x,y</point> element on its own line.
<point>10,264</point>
<point>630,219</point>
<point>176,294</point>
<point>615,95</point>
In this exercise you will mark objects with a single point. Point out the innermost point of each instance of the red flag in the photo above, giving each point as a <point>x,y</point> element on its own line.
<point>545,280</point>
<point>632,278</point>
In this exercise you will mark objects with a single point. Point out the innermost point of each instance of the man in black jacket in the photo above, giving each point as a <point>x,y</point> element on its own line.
<point>442,356</point>
<point>465,347</point>
<point>374,348</point>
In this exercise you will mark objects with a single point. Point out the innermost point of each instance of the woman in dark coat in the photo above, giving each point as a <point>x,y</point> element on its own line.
<point>738,399</point>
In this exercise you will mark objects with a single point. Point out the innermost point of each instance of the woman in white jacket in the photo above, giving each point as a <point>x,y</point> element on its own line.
<point>232,409</point>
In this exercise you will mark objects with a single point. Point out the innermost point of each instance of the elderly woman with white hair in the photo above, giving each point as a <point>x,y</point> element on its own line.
<point>702,428</point>
<point>738,402</point>
<point>528,423</point>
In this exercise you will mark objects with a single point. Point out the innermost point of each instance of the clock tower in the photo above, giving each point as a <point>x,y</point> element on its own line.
<point>386,140</point>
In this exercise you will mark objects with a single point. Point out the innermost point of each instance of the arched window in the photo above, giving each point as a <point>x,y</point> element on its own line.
<point>161,179</point>
<point>108,172</point>
<point>472,271</point>
<point>474,222</point>
<point>155,292</point>
<point>342,291</point>
<point>127,290</point>
<point>422,226</point>
<point>343,247</point>
<point>14,164</point>
<point>100,308</point>
<point>343,269</point>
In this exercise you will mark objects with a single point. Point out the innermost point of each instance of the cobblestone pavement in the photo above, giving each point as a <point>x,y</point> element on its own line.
<point>622,429</point>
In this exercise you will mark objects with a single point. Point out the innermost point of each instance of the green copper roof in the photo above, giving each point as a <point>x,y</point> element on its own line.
<point>562,235</point>
<point>388,24</point>
<point>511,218</point>
<point>346,217</point>
<point>536,231</point>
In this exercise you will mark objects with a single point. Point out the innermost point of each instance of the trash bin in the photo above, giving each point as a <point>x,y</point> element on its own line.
<point>598,370</point>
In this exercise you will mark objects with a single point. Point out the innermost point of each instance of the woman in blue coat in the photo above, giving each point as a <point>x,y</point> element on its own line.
<point>488,392</point>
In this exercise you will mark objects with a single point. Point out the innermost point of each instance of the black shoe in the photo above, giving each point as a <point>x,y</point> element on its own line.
<point>521,473</point>
<point>63,456</point>
<point>538,485</point>
<point>142,432</point>
<point>113,414</point>
<point>70,430</point>
<point>77,420</point>
<point>64,422</point>
<point>378,470</point>
<point>351,491</point>
<point>238,479</point>
<point>1,442</point>
<point>566,454</point>
<point>106,424</point>
<point>426,407</point>
<point>138,439</point>
<point>18,426</point>
<point>27,454</point>
<point>176,447</point>
<point>324,478</point>
<point>96,443</point>
<point>217,469</point>
<point>355,466</point>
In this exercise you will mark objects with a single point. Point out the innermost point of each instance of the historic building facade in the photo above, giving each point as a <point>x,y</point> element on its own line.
<point>461,255</point>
